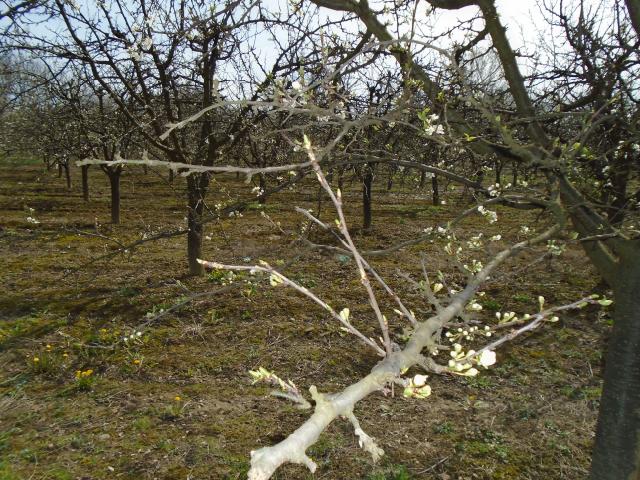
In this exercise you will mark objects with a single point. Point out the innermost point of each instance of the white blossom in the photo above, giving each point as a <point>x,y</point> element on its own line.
<point>490,215</point>
<point>146,43</point>
<point>134,54</point>
<point>487,358</point>
<point>419,380</point>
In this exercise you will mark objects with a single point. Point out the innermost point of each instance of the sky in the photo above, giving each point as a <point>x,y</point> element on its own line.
<point>523,19</point>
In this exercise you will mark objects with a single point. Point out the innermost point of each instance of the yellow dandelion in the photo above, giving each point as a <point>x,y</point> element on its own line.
<point>177,398</point>
<point>36,359</point>
<point>136,362</point>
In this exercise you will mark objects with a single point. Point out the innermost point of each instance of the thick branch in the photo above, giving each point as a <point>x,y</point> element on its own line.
<point>634,12</point>
<point>452,4</point>
<point>511,71</point>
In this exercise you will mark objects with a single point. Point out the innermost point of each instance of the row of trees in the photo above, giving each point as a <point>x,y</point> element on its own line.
<point>191,86</point>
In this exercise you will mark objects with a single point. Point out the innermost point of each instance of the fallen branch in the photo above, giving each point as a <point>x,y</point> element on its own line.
<point>396,360</point>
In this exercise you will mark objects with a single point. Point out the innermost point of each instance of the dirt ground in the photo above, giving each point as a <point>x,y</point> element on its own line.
<point>177,402</point>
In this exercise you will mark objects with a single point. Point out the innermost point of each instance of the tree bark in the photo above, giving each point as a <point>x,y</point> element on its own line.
<point>616,195</point>
<point>367,185</point>
<point>435,191</point>
<point>67,175</point>
<point>85,182</point>
<point>194,222</point>
<point>634,13</point>
<point>616,454</point>
<point>114,182</point>
<point>498,166</point>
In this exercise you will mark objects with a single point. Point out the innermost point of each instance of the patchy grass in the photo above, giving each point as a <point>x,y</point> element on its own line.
<point>176,401</point>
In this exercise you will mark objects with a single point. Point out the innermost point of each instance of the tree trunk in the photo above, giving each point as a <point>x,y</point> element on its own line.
<point>367,184</point>
<point>498,167</point>
<point>616,195</point>
<point>194,223</point>
<point>434,190</point>
<point>171,175</point>
<point>67,175</point>
<point>85,182</point>
<point>423,178</point>
<point>515,174</point>
<point>114,181</point>
<point>634,13</point>
<point>616,454</point>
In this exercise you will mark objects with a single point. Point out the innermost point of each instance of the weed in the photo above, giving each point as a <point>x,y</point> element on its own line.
<point>480,382</point>
<point>28,455</point>
<point>104,337</point>
<point>77,442</point>
<point>443,428</point>
<point>128,292</point>
<point>523,298</point>
<point>305,281</point>
<point>85,380</point>
<point>174,410</point>
<point>239,468</point>
<point>527,414</point>
<point>395,472</point>
<point>47,362</point>
<point>143,424</point>
<point>492,305</point>
<point>583,393</point>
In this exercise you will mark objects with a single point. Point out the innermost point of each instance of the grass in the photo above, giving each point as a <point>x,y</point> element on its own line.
<point>128,418</point>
